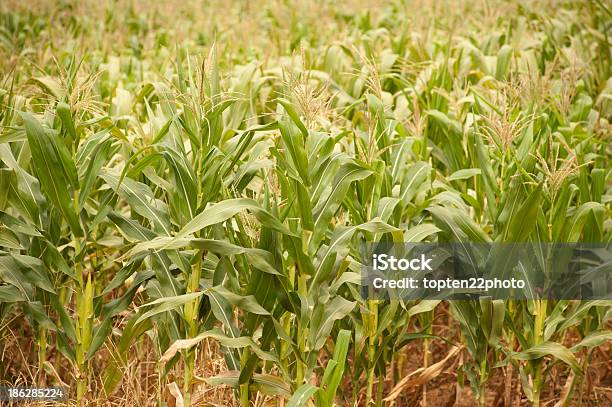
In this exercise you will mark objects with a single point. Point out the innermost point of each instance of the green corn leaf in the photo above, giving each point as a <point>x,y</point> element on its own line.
<point>239,342</point>
<point>260,259</point>
<point>247,303</point>
<point>184,197</point>
<point>554,349</point>
<point>224,210</point>
<point>302,395</point>
<point>55,170</point>
<point>63,111</point>
<point>334,371</point>
<point>419,232</point>
<point>422,307</point>
<point>141,199</point>
<point>98,157</point>
<point>588,219</point>
<point>457,225</point>
<point>322,323</point>
<point>326,209</point>
<point>523,222</point>
<point>504,57</point>
<point>415,176</point>
<point>18,226</point>
<point>265,383</point>
<point>9,293</point>
<point>464,174</point>
<point>165,304</point>
<point>294,116</point>
<point>594,339</point>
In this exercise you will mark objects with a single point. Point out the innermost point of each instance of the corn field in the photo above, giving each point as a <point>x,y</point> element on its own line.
<point>186,186</point>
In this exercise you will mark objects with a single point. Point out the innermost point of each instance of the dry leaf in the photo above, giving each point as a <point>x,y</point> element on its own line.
<point>423,375</point>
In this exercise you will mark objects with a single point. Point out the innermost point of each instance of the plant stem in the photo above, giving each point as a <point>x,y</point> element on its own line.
<point>370,384</point>
<point>380,388</point>
<point>191,315</point>
<point>482,396</point>
<point>42,355</point>
<point>538,333</point>
<point>244,388</point>
<point>372,339</point>
<point>426,359</point>
<point>84,308</point>
<point>299,374</point>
